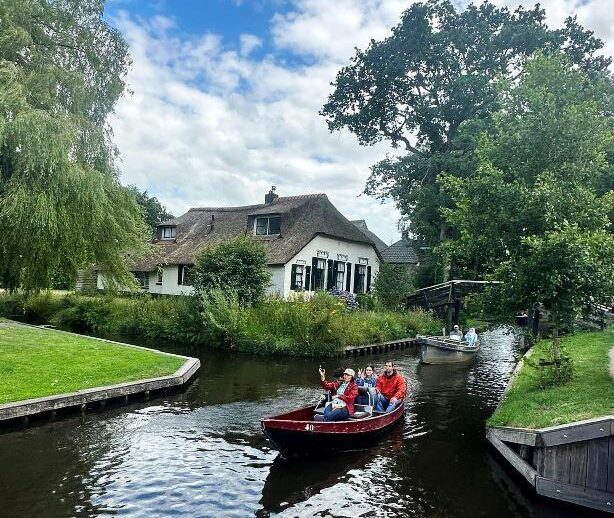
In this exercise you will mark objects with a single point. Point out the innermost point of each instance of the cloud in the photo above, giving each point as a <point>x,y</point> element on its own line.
<point>212,122</point>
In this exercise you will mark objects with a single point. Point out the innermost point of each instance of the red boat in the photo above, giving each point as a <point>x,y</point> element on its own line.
<point>299,433</point>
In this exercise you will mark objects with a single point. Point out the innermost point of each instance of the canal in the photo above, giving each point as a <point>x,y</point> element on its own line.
<point>201,453</point>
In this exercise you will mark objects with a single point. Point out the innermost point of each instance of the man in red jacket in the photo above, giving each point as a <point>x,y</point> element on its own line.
<point>390,388</point>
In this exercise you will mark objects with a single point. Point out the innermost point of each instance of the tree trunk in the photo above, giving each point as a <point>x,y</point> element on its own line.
<point>446,266</point>
<point>556,345</point>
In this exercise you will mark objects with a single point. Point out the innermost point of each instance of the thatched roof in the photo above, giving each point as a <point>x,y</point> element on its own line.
<point>302,218</point>
<point>361,224</point>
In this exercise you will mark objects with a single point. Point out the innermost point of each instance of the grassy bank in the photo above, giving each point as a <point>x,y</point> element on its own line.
<point>589,394</point>
<point>37,362</point>
<point>316,327</point>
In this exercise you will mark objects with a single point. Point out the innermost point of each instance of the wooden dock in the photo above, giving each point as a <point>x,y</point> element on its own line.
<point>573,462</point>
<point>384,347</point>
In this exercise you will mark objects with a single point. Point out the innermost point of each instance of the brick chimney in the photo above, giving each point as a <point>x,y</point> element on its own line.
<point>270,197</point>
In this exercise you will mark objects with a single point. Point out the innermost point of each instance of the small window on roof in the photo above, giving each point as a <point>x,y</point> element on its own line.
<point>169,232</point>
<point>268,225</point>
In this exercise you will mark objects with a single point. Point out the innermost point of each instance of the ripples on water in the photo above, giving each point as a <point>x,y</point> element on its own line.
<point>201,453</point>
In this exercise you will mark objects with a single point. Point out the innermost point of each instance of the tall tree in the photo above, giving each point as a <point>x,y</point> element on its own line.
<point>430,88</point>
<point>62,69</point>
<point>153,211</point>
<point>536,213</point>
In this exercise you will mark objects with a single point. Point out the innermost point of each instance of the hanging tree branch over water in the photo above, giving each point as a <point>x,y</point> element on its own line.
<point>62,69</point>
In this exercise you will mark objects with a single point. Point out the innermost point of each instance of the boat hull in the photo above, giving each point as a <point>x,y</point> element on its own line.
<point>298,435</point>
<point>434,351</point>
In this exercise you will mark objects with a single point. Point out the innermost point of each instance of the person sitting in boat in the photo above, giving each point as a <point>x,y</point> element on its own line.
<point>390,388</point>
<point>368,379</point>
<point>471,336</point>
<point>456,333</point>
<point>342,405</point>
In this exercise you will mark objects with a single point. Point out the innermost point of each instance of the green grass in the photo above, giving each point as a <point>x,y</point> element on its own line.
<point>37,362</point>
<point>589,394</point>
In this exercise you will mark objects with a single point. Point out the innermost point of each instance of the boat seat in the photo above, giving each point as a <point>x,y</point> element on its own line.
<point>360,415</point>
<point>319,411</point>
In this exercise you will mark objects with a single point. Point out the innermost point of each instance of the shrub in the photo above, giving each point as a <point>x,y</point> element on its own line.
<point>348,298</point>
<point>392,284</point>
<point>237,267</point>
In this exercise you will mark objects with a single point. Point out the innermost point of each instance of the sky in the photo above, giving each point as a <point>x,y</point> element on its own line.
<point>224,98</point>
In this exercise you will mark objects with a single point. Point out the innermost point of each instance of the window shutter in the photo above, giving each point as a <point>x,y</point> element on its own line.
<point>179,272</point>
<point>293,278</point>
<point>348,276</point>
<point>307,278</point>
<point>314,268</point>
<point>357,288</point>
<point>368,279</point>
<point>330,281</point>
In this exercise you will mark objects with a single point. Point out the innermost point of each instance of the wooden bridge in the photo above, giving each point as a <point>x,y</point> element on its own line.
<point>448,295</point>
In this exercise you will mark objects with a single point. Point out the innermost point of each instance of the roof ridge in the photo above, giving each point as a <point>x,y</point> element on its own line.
<point>259,205</point>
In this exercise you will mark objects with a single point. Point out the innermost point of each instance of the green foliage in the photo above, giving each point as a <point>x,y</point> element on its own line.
<point>557,373</point>
<point>305,327</point>
<point>236,267</point>
<point>62,70</point>
<point>534,215</point>
<point>392,284</point>
<point>587,395</point>
<point>430,89</point>
<point>153,211</point>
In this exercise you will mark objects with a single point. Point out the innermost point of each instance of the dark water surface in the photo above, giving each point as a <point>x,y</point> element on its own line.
<point>201,453</point>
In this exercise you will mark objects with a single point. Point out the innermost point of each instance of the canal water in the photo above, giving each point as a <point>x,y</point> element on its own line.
<point>200,453</point>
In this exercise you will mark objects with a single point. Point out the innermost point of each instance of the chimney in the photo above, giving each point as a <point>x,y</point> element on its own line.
<point>270,197</point>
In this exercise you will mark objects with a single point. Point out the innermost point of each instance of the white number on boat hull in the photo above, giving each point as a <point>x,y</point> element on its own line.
<point>309,427</point>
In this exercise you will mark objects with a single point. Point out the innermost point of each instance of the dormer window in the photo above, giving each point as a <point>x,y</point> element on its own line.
<point>169,232</point>
<point>268,225</point>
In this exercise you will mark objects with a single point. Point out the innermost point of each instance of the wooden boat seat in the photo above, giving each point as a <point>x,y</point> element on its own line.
<point>360,412</point>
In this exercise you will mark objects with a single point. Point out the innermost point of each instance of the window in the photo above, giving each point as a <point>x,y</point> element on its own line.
<point>142,279</point>
<point>268,225</point>
<point>185,275</point>
<point>339,275</point>
<point>159,277</point>
<point>359,278</point>
<point>169,232</point>
<point>318,267</point>
<point>297,281</point>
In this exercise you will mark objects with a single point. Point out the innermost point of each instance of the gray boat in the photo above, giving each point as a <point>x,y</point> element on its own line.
<point>441,349</point>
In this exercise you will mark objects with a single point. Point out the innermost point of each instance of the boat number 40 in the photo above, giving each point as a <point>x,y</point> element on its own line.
<point>309,427</point>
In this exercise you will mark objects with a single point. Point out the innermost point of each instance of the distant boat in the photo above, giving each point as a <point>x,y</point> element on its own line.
<point>441,349</point>
<point>297,433</point>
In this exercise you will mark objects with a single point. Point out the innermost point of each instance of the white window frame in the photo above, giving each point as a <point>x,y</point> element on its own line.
<point>299,273</point>
<point>340,276</point>
<point>160,274</point>
<point>184,267</point>
<point>172,233</point>
<point>362,273</point>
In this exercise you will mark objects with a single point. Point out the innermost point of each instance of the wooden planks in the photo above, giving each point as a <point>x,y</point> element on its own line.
<point>579,431</point>
<point>516,435</point>
<point>592,498</point>
<point>597,452</point>
<point>523,467</point>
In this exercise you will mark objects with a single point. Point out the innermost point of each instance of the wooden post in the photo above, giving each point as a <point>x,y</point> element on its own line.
<point>457,307</point>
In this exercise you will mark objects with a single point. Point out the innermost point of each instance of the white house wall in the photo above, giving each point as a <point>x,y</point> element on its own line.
<point>333,247</point>
<point>277,280</point>
<point>169,284</point>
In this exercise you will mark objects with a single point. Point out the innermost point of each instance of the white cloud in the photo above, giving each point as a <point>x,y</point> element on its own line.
<point>210,124</point>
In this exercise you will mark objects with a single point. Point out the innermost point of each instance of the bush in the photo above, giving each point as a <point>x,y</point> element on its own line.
<point>237,267</point>
<point>555,373</point>
<point>317,326</point>
<point>392,284</point>
<point>348,298</point>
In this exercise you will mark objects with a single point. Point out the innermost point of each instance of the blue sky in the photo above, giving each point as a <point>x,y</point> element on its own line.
<point>226,93</point>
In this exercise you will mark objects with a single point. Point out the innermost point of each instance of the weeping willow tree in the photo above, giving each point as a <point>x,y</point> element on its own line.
<point>62,69</point>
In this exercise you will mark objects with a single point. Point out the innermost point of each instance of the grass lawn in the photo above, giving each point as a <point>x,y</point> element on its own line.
<point>37,362</point>
<point>589,394</point>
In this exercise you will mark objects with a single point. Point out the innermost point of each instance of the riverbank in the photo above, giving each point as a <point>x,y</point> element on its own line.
<point>589,394</point>
<point>319,326</point>
<point>36,363</point>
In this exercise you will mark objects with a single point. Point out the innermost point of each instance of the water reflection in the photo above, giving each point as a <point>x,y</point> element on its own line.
<point>201,452</point>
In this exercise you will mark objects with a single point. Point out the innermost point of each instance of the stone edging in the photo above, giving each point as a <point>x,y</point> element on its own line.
<point>82,397</point>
